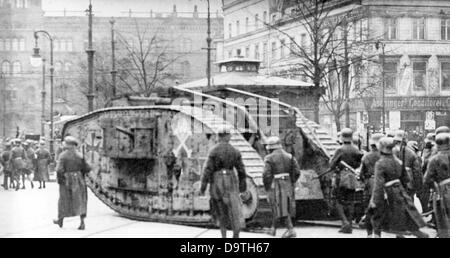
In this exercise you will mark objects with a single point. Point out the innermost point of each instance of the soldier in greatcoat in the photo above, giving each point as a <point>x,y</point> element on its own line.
<point>43,159</point>
<point>71,170</point>
<point>437,177</point>
<point>5,159</point>
<point>281,172</point>
<point>225,185</point>
<point>412,163</point>
<point>30,164</point>
<point>401,216</point>
<point>344,190</point>
<point>367,175</point>
<point>18,159</point>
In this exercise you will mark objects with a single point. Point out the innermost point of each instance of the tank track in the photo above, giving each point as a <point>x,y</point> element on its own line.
<point>254,166</point>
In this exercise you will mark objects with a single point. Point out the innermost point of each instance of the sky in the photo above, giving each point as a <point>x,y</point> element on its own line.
<point>119,7</point>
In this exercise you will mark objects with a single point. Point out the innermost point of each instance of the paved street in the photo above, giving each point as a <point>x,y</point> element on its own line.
<point>29,213</point>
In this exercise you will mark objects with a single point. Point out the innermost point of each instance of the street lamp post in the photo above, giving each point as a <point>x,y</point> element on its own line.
<point>113,57</point>
<point>37,56</point>
<point>43,93</point>
<point>379,44</point>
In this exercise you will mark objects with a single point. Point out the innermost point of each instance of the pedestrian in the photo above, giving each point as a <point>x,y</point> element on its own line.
<point>224,184</point>
<point>30,163</point>
<point>401,216</point>
<point>437,177</point>
<point>344,163</point>
<point>281,172</point>
<point>367,175</point>
<point>43,158</point>
<point>411,163</point>
<point>71,170</point>
<point>426,154</point>
<point>18,158</point>
<point>5,160</point>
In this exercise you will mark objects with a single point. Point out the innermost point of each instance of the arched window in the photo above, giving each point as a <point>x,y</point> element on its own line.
<point>15,44</point>
<point>6,67</point>
<point>2,45</point>
<point>17,67</point>
<point>22,44</point>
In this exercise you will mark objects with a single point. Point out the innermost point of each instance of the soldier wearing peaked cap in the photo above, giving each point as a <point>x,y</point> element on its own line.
<point>367,175</point>
<point>437,177</point>
<point>225,186</point>
<point>281,172</point>
<point>401,216</point>
<point>71,170</point>
<point>43,158</point>
<point>345,180</point>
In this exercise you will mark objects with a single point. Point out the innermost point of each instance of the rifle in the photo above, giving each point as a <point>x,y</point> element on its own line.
<point>343,163</point>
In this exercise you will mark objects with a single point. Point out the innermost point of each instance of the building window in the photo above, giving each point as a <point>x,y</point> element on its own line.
<point>247,52</point>
<point>15,44</point>
<point>283,48</point>
<point>420,75</point>
<point>58,67</point>
<point>265,50</point>
<point>230,27</point>
<point>17,67</point>
<point>445,29</point>
<point>419,28</point>
<point>2,45</point>
<point>238,31</point>
<point>22,44</point>
<point>293,47</point>
<point>445,76</point>
<point>69,45</point>
<point>230,54</point>
<point>303,40</point>
<point>68,67</point>
<point>274,18</point>
<point>257,21</point>
<point>265,17</point>
<point>390,73</point>
<point>257,55</point>
<point>247,24</point>
<point>186,68</point>
<point>7,44</point>
<point>274,50</point>
<point>391,28</point>
<point>6,68</point>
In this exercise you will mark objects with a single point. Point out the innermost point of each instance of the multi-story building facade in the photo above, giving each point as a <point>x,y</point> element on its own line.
<point>183,30</point>
<point>416,39</point>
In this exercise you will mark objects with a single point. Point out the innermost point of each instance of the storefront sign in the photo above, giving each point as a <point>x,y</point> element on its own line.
<point>430,125</point>
<point>413,103</point>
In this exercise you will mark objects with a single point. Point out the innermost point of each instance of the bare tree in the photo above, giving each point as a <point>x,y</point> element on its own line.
<point>146,60</point>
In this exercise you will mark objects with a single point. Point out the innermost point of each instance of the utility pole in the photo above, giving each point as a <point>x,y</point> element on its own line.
<point>379,44</point>
<point>90,53</point>
<point>113,57</point>
<point>209,40</point>
<point>43,93</point>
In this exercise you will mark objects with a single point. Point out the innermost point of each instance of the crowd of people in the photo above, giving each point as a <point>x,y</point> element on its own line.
<point>394,172</point>
<point>24,160</point>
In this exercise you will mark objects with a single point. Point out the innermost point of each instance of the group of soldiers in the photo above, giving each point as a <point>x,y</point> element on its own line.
<point>24,160</point>
<point>393,173</point>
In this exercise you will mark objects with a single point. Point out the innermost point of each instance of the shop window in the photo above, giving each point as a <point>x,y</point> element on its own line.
<point>420,75</point>
<point>445,76</point>
<point>391,28</point>
<point>390,72</point>
<point>419,28</point>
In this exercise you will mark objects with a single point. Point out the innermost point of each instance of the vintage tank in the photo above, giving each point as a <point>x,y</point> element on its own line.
<point>147,161</point>
<point>311,144</point>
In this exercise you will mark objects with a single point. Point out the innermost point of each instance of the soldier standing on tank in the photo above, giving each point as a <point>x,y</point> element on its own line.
<point>5,159</point>
<point>437,177</point>
<point>401,216</point>
<point>345,193</point>
<point>281,172</point>
<point>224,184</point>
<point>71,170</point>
<point>367,175</point>
<point>412,163</point>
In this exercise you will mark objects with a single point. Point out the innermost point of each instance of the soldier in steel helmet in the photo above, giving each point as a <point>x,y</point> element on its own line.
<point>225,186</point>
<point>345,160</point>
<point>281,172</point>
<point>5,159</point>
<point>367,175</point>
<point>71,170</point>
<point>437,177</point>
<point>400,216</point>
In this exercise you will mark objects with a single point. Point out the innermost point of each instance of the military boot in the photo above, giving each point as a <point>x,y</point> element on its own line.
<point>290,233</point>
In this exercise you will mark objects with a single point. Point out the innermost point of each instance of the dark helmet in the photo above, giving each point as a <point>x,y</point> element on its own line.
<point>386,145</point>
<point>443,139</point>
<point>442,129</point>
<point>347,135</point>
